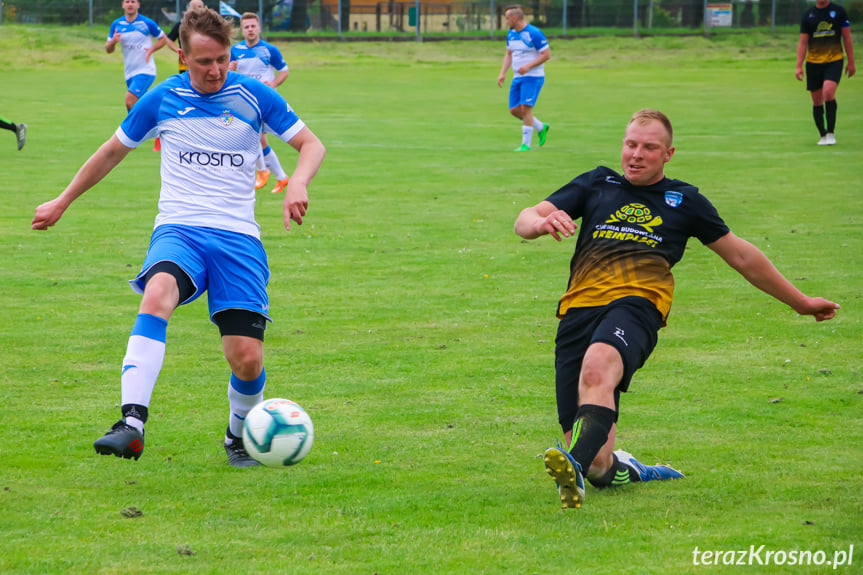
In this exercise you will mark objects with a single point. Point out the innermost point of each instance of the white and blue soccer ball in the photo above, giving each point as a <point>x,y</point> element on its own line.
<point>278,432</point>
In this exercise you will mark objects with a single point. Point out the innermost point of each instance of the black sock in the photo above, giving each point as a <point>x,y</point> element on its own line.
<point>136,411</point>
<point>590,432</point>
<point>618,474</point>
<point>818,116</point>
<point>830,108</point>
<point>7,126</point>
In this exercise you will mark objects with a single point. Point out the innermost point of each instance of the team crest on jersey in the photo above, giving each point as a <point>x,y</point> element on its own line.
<point>673,199</point>
<point>226,117</point>
<point>833,13</point>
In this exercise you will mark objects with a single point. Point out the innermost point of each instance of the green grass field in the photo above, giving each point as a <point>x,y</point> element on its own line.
<point>418,330</point>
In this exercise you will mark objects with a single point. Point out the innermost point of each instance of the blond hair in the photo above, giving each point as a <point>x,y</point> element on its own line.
<point>642,117</point>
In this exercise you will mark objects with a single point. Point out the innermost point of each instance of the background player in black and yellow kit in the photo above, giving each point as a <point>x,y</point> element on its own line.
<point>634,228</point>
<point>823,31</point>
<point>174,35</point>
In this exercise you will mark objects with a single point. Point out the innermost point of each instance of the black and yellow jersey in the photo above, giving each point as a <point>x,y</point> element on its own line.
<point>630,237</point>
<point>824,27</point>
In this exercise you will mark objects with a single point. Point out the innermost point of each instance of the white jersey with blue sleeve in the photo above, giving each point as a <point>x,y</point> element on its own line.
<point>260,61</point>
<point>209,146</point>
<point>525,47</point>
<point>136,37</point>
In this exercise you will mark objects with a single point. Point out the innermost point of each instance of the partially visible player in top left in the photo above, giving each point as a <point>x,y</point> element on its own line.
<point>19,129</point>
<point>134,33</point>
<point>262,61</point>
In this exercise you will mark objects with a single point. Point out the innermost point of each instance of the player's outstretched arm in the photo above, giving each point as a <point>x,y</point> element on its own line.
<point>163,39</point>
<point>758,270</point>
<point>802,48</point>
<point>280,78</point>
<point>97,167</point>
<point>850,68</point>
<point>311,156</point>
<point>544,218</point>
<point>543,57</point>
<point>507,62</point>
<point>112,43</point>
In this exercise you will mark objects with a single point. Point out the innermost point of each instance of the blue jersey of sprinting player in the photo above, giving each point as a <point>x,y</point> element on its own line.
<point>260,61</point>
<point>136,37</point>
<point>209,146</point>
<point>525,47</point>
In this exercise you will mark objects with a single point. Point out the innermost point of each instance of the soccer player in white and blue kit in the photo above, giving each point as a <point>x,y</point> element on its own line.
<point>527,51</point>
<point>135,35</point>
<point>205,237</point>
<point>262,61</point>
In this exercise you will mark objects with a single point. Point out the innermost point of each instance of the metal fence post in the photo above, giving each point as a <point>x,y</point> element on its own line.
<point>635,18</point>
<point>565,2</point>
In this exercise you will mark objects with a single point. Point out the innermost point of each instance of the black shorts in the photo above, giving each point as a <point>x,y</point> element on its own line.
<point>630,325</point>
<point>230,321</point>
<point>817,74</point>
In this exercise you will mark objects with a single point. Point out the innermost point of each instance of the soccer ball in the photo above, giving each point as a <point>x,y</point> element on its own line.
<point>278,433</point>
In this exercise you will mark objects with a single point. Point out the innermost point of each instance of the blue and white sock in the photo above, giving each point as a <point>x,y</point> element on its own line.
<point>145,354</point>
<point>242,397</point>
<point>273,164</point>
<point>526,135</point>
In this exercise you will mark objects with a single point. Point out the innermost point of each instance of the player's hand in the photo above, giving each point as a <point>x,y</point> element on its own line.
<point>558,223</point>
<point>232,66</point>
<point>850,69</point>
<point>799,74</point>
<point>296,202</point>
<point>500,80</point>
<point>524,69</point>
<point>819,308</point>
<point>47,214</point>
<point>116,38</point>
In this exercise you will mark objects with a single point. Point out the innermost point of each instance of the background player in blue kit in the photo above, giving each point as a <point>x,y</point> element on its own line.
<point>527,51</point>
<point>135,35</point>
<point>205,237</point>
<point>634,228</point>
<point>823,30</point>
<point>262,61</point>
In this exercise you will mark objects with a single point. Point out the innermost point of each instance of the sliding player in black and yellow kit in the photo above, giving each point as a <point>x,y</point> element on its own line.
<point>823,31</point>
<point>634,228</point>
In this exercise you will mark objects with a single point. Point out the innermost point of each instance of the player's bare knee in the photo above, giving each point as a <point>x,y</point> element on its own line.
<point>245,361</point>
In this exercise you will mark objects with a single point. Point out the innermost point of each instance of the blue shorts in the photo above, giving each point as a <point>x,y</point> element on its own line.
<point>525,90</point>
<point>231,267</point>
<point>139,84</point>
